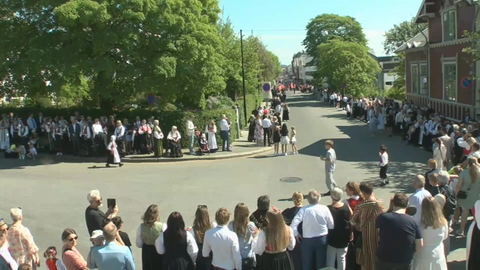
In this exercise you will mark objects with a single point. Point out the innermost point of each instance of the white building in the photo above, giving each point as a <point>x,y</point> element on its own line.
<point>302,72</point>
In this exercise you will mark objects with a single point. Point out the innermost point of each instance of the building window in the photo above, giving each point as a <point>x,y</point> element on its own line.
<point>449,25</point>
<point>450,81</point>
<point>415,78</point>
<point>423,79</point>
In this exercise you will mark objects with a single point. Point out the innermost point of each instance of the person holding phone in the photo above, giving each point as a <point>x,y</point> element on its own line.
<point>94,217</point>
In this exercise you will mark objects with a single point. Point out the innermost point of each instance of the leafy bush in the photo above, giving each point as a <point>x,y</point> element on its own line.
<point>396,93</point>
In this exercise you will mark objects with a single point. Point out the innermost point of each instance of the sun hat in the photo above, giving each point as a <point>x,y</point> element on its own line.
<point>96,234</point>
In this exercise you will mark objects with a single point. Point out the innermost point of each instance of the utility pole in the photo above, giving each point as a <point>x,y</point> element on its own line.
<point>243,79</point>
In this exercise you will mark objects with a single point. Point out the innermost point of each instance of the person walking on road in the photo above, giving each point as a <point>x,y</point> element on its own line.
<point>330,162</point>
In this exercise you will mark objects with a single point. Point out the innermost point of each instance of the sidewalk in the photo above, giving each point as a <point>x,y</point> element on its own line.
<point>240,148</point>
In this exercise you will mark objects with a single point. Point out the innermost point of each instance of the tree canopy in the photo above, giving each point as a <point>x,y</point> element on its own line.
<point>326,27</point>
<point>344,62</point>
<point>104,52</point>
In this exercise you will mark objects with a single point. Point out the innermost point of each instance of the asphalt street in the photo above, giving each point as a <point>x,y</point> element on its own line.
<point>53,195</point>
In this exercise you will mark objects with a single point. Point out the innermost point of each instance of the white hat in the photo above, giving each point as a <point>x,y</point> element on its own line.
<point>96,234</point>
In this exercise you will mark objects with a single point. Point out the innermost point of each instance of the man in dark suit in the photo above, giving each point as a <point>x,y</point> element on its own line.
<point>74,131</point>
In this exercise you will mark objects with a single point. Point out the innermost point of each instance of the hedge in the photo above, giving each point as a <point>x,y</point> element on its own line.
<point>166,119</point>
<point>253,102</point>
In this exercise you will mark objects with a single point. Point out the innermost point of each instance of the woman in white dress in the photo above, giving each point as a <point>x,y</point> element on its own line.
<point>435,230</point>
<point>113,156</point>
<point>211,130</point>
<point>381,119</point>
<point>440,154</point>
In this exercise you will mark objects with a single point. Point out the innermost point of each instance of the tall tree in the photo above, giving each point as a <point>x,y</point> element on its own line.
<point>326,27</point>
<point>349,63</point>
<point>394,38</point>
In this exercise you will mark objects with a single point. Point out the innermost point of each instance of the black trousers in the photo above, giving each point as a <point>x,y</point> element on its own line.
<point>266,133</point>
<point>381,265</point>
<point>383,172</point>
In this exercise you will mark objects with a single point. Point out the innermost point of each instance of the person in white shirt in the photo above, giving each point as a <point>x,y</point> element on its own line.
<point>225,133</point>
<point>267,132</point>
<point>416,198</point>
<point>223,243</point>
<point>475,153</point>
<point>330,162</point>
<point>317,220</point>
<point>383,164</point>
<point>440,154</point>
<point>191,134</point>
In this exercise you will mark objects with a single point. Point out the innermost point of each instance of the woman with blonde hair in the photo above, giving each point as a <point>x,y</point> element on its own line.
<point>246,232</point>
<point>289,214</point>
<point>468,191</point>
<point>201,224</point>
<point>273,242</point>
<point>147,233</point>
<point>435,231</point>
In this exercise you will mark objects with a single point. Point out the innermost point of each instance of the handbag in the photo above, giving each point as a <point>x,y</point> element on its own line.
<point>463,194</point>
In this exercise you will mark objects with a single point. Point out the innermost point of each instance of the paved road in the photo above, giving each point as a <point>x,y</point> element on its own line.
<point>53,196</point>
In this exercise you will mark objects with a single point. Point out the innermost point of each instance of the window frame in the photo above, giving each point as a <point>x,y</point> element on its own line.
<point>413,80</point>
<point>421,77</point>
<point>448,10</point>
<point>444,63</point>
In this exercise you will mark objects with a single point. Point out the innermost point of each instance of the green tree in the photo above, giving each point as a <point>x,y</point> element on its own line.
<point>326,27</point>
<point>394,38</point>
<point>344,62</point>
<point>233,59</point>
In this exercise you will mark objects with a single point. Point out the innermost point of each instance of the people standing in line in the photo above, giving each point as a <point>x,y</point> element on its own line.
<point>225,133</point>
<point>112,255</point>
<point>364,219</point>
<point>355,197</point>
<point>223,243</point>
<point>293,140</point>
<point>317,220</point>
<point>178,247</point>
<point>157,139</point>
<point>147,234</point>
<point>340,235</point>
<point>267,133</point>
<point>383,164</point>
<point>330,164</point>
<point>416,198</point>
<point>284,139</point>
<point>211,131</point>
<point>434,228</point>
<point>400,236</point>
<point>190,130</point>
<point>273,242</point>
<point>74,132</point>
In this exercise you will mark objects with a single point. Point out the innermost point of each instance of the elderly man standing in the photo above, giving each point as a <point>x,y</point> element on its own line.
<point>94,217</point>
<point>20,240</point>
<point>225,133</point>
<point>191,134</point>
<point>416,198</point>
<point>112,256</point>
<point>317,220</point>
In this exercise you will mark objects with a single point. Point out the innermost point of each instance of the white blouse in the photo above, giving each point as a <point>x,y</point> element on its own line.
<point>192,248</point>
<point>260,245</point>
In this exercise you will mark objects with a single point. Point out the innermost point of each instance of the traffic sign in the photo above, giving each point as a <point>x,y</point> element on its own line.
<point>266,87</point>
<point>151,99</point>
<point>466,82</point>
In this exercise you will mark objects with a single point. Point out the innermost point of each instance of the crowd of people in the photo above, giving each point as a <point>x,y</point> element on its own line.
<point>85,136</point>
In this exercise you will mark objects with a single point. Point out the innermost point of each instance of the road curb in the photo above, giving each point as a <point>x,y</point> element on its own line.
<point>196,158</point>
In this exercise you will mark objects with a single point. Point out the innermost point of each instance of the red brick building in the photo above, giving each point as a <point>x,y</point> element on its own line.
<point>438,72</point>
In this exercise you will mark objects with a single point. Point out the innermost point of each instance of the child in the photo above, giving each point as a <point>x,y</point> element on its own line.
<point>284,139</point>
<point>32,152</point>
<point>293,141</point>
<point>123,235</point>
<point>51,255</point>
<point>113,157</point>
<point>383,164</point>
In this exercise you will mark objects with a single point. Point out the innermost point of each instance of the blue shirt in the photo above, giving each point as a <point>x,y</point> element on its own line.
<point>112,257</point>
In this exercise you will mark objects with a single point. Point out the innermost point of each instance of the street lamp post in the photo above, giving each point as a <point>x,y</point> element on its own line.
<point>243,79</point>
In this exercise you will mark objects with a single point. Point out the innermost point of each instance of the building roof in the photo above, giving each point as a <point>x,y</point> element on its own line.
<point>428,9</point>
<point>417,41</point>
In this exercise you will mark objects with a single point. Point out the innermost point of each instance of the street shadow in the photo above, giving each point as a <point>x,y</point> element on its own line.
<point>45,159</point>
<point>263,156</point>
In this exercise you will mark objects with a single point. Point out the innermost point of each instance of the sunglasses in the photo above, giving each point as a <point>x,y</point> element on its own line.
<point>72,239</point>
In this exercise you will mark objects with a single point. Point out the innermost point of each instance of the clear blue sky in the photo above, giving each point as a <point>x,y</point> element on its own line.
<point>271,19</point>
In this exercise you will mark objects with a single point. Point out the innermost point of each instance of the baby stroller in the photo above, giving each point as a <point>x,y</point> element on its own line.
<point>203,143</point>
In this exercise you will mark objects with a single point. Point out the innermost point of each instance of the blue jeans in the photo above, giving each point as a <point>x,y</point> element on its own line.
<point>191,142</point>
<point>225,135</point>
<point>314,252</point>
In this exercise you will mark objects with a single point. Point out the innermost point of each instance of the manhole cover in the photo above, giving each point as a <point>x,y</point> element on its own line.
<point>291,179</point>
